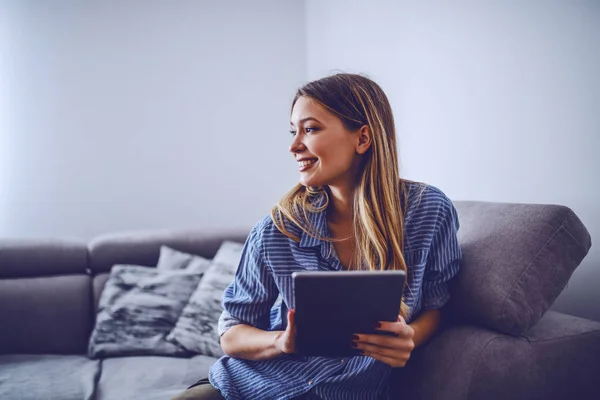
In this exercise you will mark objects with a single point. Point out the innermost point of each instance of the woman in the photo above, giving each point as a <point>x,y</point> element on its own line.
<point>350,211</point>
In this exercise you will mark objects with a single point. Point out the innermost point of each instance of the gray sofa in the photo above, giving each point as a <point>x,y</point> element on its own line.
<point>498,340</point>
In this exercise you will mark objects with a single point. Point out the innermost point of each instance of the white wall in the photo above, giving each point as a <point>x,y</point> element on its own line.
<point>493,100</point>
<point>145,114</point>
<point>151,114</point>
<point>4,115</point>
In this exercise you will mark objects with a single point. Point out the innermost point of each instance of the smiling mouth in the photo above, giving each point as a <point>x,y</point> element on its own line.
<point>306,164</point>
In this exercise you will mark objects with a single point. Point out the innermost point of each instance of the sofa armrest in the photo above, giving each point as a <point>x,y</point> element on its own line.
<point>466,362</point>
<point>556,359</point>
<point>45,297</point>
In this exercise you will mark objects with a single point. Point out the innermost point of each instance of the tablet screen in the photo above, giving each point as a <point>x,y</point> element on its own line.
<point>332,306</point>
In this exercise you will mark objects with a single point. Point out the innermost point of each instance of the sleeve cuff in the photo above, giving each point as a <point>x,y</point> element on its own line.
<point>226,321</point>
<point>435,302</point>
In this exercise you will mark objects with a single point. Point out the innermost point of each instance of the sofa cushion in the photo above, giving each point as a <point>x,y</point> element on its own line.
<point>229,254</point>
<point>139,306</point>
<point>444,368</point>
<point>171,259</point>
<point>150,377</point>
<point>567,351</point>
<point>556,359</point>
<point>45,315</point>
<point>143,248</point>
<point>34,377</point>
<point>196,328</point>
<point>517,258</point>
<point>99,281</point>
<point>34,258</point>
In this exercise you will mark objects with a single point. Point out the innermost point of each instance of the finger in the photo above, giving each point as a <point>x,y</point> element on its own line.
<point>393,362</point>
<point>290,342</point>
<point>403,322</point>
<point>384,342</point>
<point>394,327</point>
<point>291,317</point>
<point>384,351</point>
<point>399,328</point>
<point>377,340</point>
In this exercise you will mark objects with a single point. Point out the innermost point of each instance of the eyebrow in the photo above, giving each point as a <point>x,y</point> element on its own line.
<point>303,120</point>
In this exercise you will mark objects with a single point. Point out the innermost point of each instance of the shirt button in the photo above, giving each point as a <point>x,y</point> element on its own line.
<point>342,361</point>
<point>310,382</point>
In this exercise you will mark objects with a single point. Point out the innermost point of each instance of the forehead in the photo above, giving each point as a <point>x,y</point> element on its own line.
<point>306,107</point>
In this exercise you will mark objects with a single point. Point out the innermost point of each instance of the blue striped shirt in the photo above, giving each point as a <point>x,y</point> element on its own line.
<point>261,295</point>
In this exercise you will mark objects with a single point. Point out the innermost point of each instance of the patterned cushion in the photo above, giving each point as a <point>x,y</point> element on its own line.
<point>138,307</point>
<point>196,329</point>
<point>171,259</point>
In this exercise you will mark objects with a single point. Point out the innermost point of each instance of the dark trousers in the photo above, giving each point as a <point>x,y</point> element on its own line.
<point>201,390</point>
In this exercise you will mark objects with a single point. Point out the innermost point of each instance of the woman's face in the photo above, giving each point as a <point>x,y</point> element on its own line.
<point>325,150</point>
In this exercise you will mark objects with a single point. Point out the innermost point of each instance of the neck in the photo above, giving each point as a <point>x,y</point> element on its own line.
<point>341,206</point>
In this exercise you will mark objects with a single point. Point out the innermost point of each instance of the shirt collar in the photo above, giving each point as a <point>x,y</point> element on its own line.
<point>318,221</point>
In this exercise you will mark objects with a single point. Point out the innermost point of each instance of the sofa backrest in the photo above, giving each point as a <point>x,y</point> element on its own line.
<point>49,290</point>
<point>143,248</point>
<point>517,258</point>
<point>45,297</point>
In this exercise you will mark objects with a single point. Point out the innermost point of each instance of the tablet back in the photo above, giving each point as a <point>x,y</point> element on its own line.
<point>332,306</point>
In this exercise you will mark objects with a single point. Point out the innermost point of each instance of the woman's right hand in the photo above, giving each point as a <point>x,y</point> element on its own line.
<point>285,342</point>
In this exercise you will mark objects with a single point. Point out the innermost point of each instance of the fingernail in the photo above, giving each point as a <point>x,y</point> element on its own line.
<point>378,325</point>
<point>355,337</point>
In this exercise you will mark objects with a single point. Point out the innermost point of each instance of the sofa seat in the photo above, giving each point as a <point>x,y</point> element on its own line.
<point>149,377</point>
<point>52,377</point>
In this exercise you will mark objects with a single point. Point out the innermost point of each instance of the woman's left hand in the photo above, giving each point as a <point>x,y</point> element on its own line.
<point>392,350</point>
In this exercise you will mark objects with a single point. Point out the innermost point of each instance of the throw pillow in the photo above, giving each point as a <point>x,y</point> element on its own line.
<point>229,254</point>
<point>171,259</point>
<point>138,308</point>
<point>196,329</point>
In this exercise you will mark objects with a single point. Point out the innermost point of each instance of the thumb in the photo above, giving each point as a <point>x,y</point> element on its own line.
<point>401,320</point>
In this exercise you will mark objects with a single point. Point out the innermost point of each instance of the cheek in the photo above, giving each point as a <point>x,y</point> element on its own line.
<point>319,148</point>
<point>335,154</point>
<point>337,158</point>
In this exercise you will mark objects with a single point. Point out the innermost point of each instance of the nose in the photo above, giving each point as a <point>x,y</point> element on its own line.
<point>297,146</point>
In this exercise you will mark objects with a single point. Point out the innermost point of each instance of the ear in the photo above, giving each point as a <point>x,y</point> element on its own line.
<point>365,139</point>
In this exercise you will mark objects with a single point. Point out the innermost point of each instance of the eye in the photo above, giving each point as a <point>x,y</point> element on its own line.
<point>309,130</point>
<point>292,132</point>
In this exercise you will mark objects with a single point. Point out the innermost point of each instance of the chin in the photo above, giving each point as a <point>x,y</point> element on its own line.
<point>312,181</point>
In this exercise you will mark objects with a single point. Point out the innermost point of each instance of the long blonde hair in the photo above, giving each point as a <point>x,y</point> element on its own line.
<point>378,214</point>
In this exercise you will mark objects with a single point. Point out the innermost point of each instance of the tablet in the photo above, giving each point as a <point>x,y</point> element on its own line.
<point>332,306</point>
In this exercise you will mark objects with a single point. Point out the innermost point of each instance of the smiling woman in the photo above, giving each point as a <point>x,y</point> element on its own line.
<point>349,211</point>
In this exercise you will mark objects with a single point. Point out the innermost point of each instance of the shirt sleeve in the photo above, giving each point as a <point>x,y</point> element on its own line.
<point>443,260</point>
<point>249,298</point>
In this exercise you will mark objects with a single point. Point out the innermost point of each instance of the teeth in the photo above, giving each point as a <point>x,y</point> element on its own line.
<point>306,162</point>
